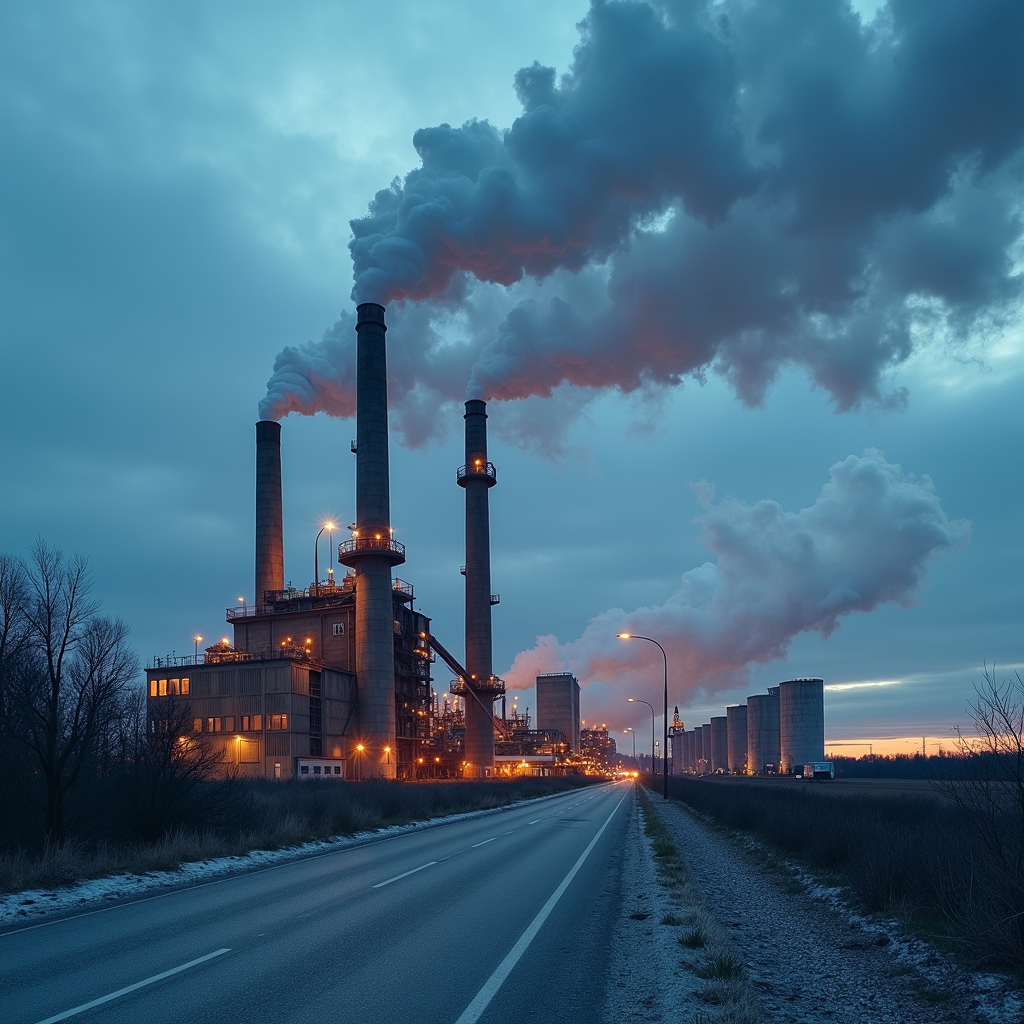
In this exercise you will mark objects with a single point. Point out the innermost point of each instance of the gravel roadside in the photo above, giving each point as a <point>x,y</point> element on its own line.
<point>815,959</point>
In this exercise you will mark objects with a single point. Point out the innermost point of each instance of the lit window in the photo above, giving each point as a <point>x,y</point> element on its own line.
<point>184,687</point>
<point>229,723</point>
<point>197,725</point>
<point>245,723</point>
<point>162,690</point>
<point>173,687</point>
<point>249,751</point>
<point>338,628</point>
<point>218,725</point>
<point>209,725</point>
<point>277,721</point>
<point>152,687</point>
<point>257,723</point>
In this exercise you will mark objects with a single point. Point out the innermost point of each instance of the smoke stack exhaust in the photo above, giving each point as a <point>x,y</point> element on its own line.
<point>477,477</point>
<point>372,551</point>
<point>269,515</point>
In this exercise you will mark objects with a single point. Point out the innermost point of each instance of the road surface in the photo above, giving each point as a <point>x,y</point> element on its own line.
<point>500,919</point>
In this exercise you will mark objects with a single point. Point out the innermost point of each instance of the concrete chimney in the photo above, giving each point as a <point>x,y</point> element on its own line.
<point>372,551</point>
<point>477,476</point>
<point>269,517</point>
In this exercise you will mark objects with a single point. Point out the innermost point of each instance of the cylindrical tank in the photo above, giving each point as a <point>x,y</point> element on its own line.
<point>269,516</point>
<point>705,748</point>
<point>688,750</point>
<point>719,743</point>
<point>737,719</point>
<point>801,723</point>
<point>763,731</point>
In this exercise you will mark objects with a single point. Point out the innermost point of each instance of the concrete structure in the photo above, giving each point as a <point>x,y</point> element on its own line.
<point>558,706</point>
<point>705,748</point>
<point>698,748</point>
<point>763,746</point>
<point>269,515</point>
<point>373,552</point>
<point>801,723</point>
<point>477,476</point>
<point>719,743</point>
<point>688,748</point>
<point>737,738</point>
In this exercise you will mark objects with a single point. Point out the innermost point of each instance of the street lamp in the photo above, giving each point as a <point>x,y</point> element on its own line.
<point>197,638</point>
<point>359,771</point>
<point>664,745</point>
<point>637,700</point>
<point>329,526</point>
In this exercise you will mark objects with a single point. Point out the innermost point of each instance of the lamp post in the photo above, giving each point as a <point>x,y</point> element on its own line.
<point>637,700</point>
<point>359,769</point>
<point>664,745</point>
<point>316,552</point>
<point>196,640</point>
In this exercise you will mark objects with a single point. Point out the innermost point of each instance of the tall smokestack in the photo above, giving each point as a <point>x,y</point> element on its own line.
<point>372,552</point>
<point>269,516</point>
<point>477,476</point>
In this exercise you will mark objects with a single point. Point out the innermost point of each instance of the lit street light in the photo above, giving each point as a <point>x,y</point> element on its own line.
<point>359,771</point>
<point>197,638</point>
<point>664,745</point>
<point>329,526</point>
<point>636,700</point>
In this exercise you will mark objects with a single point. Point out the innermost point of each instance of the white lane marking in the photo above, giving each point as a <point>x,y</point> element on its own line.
<point>132,988</point>
<point>404,874</point>
<point>534,822</point>
<point>482,1000</point>
<point>484,843</point>
<point>509,832</point>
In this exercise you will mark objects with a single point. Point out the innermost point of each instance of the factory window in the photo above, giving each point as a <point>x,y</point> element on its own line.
<point>316,769</point>
<point>152,687</point>
<point>229,723</point>
<point>249,751</point>
<point>184,687</point>
<point>304,769</point>
<point>162,688</point>
<point>197,725</point>
<point>252,723</point>
<point>277,721</point>
<point>216,724</point>
<point>338,628</point>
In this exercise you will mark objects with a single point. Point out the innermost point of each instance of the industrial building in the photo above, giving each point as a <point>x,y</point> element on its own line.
<point>333,680</point>
<point>558,706</point>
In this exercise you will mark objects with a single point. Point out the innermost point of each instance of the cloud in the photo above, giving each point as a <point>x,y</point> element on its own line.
<point>737,187</point>
<point>866,541</point>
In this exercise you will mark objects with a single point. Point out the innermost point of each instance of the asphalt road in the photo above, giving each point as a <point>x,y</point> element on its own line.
<point>500,919</point>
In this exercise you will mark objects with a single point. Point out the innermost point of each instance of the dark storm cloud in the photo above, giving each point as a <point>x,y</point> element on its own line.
<point>755,186</point>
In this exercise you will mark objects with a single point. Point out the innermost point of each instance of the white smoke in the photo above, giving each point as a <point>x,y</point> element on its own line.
<point>865,541</point>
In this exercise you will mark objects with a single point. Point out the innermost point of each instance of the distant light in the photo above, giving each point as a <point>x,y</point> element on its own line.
<point>225,641</point>
<point>328,526</point>
<point>624,636</point>
<point>631,701</point>
<point>360,747</point>
<point>242,599</point>
<point>387,750</point>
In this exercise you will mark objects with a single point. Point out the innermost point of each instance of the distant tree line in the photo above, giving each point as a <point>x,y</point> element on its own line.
<point>78,759</point>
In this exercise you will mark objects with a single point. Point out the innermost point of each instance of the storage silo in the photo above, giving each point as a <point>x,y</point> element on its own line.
<point>688,750</point>
<point>801,723</point>
<point>719,744</point>
<point>737,728</point>
<point>705,749</point>
<point>763,731</point>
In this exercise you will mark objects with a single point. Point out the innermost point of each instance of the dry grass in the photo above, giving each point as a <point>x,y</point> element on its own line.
<point>268,816</point>
<point>709,953</point>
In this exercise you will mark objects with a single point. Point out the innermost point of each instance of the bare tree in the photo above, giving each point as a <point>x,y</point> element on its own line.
<point>75,666</point>
<point>168,768</point>
<point>13,622</point>
<point>988,788</point>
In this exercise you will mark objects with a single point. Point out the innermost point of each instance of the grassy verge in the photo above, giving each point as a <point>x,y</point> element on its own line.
<point>703,944</point>
<point>910,857</point>
<point>268,816</point>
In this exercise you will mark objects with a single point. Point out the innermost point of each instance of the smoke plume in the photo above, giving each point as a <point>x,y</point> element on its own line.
<point>738,186</point>
<point>865,541</point>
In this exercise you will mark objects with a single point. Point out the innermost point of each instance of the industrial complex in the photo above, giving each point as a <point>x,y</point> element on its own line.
<point>334,680</point>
